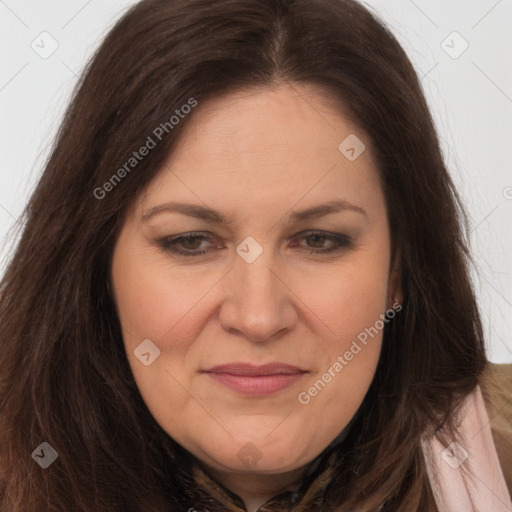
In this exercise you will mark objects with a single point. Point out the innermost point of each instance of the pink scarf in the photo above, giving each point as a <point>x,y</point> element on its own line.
<point>487,491</point>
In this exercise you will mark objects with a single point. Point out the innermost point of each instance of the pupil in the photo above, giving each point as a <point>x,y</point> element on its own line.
<point>316,237</point>
<point>189,238</point>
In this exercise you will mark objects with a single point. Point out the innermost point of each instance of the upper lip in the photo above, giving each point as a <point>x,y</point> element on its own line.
<point>255,370</point>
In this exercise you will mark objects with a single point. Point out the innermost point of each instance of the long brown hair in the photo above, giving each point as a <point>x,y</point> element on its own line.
<point>64,375</point>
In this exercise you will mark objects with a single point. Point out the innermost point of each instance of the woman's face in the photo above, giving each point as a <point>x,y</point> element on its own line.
<point>250,183</point>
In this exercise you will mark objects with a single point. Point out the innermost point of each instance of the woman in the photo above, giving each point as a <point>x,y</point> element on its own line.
<point>242,283</point>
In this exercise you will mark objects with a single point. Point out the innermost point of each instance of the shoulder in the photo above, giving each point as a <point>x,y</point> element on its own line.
<point>496,386</point>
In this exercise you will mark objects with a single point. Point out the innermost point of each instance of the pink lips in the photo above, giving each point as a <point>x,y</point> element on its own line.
<point>256,380</point>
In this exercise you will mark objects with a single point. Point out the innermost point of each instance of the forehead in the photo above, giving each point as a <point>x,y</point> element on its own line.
<point>270,147</point>
<point>261,121</point>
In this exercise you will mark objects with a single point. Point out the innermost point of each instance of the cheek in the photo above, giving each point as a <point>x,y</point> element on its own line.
<point>346,301</point>
<point>151,306</point>
<point>352,310</point>
<point>158,303</point>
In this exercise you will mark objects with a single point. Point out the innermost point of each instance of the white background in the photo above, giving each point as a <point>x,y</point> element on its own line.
<point>470,96</point>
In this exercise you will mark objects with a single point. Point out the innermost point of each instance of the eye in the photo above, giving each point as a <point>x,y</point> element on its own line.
<point>340,241</point>
<point>189,244</point>
<point>189,241</point>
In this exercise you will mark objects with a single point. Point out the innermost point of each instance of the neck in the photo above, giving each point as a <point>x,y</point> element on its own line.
<point>256,489</point>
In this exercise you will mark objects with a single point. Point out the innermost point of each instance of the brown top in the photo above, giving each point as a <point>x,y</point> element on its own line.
<point>310,491</point>
<point>496,386</point>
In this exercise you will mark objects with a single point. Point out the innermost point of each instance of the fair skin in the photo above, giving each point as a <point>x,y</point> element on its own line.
<point>257,156</point>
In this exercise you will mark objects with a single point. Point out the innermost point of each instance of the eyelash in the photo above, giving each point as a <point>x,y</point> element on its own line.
<point>342,241</point>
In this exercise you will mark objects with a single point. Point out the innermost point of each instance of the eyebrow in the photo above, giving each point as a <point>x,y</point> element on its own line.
<point>217,217</point>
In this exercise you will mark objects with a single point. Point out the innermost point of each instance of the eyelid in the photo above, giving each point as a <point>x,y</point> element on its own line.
<point>341,241</point>
<point>168,240</point>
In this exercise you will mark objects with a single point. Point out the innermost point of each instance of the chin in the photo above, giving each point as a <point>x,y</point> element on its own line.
<point>262,456</point>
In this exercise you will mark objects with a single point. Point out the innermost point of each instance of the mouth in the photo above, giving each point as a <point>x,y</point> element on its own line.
<point>252,380</point>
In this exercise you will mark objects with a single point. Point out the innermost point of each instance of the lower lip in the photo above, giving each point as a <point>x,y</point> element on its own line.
<point>257,385</point>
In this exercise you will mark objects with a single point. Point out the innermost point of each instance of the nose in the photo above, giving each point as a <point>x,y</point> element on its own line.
<point>258,303</point>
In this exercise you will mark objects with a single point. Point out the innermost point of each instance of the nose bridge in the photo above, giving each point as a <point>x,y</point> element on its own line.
<point>258,277</point>
<point>255,263</point>
<point>256,281</point>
